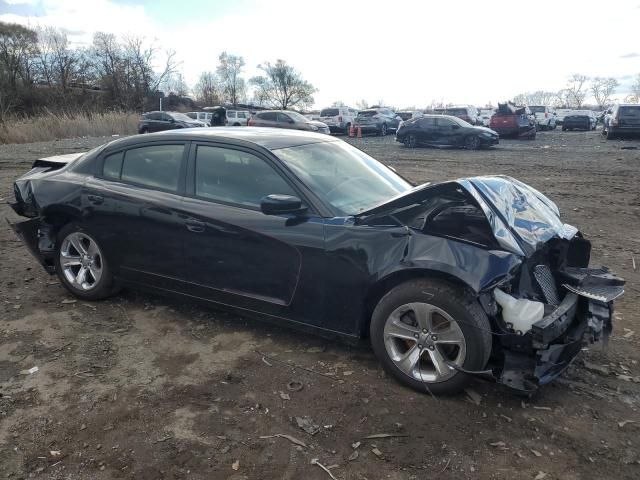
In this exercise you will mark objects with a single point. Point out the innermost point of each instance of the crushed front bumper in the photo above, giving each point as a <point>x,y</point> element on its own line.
<point>583,317</point>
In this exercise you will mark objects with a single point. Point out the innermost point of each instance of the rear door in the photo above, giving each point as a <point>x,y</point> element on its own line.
<point>445,132</point>
<point>135,210</point>
<point>629,116</point>
<point>426,130</point>
<point>237,255</point>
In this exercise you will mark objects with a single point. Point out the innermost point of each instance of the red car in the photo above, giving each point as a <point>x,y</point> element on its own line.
<point>511,121</point>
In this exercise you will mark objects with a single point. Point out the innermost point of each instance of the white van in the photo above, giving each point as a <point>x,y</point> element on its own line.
<point>338,119</point>
<point>236,118</point>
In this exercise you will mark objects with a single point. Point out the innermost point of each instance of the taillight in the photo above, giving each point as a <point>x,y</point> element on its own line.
<point>340,119</point>
<point>546,115</point>
<point>250,122</point>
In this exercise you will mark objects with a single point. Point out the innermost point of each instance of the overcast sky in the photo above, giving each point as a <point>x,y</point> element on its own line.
<point>402,52</point>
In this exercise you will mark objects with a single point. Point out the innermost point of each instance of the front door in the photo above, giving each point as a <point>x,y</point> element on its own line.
<point>237,255</point>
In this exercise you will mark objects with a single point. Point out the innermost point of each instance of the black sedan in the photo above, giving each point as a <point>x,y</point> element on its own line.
<point>151,122</point>
<point>445,130</point>
<point>579,120</point>
<point>473,277</point>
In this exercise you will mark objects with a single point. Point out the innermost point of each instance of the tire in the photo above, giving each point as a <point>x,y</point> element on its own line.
<point>410,141</point>
<point>610,135</point>
<point>454,313</point>
<point>236,124</point>
<point>346,129</point>
<point>97,282</point>
<point>144,130</point>
<point>472,142</point>
<point>383,129</point>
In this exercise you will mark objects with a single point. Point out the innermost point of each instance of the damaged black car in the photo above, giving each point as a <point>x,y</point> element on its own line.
<point>477,277</point>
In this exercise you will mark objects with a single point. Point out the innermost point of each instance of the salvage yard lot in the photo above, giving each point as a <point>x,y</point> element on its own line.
<point>146,387</point>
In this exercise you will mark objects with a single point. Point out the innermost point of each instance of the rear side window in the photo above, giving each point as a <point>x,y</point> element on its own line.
<point>155,166</point>
<point>267,116</point>
<point>427,122</point>
<point>329,112</point>
<point>629,112</point>
<point>237,177</point>
<point>113,165</point>
<point>284,118</point>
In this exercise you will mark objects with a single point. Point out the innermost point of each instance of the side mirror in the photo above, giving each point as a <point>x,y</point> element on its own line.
<point>172,120</point>
<point>276,204</point>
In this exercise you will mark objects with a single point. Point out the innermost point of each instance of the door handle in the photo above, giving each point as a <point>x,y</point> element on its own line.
<point>95,199</point>
<point>195,226</point>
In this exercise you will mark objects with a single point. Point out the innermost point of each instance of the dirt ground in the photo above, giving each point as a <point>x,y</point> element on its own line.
<point>146,387</point>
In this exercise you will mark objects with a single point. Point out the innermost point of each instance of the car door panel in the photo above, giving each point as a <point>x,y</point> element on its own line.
<point>271,263</point>
<point>141,226</point>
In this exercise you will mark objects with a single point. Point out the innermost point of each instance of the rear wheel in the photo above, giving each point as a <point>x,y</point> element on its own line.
<point>472,143</point>
<point>81,265</point>
<point>423,330</point>
<point>410,141</point>
<point>383,129</point>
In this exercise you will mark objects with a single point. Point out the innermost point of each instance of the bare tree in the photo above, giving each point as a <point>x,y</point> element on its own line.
<point>362,104</point>
<point>208,90</point>
<point>576,90</point>
<point>175,84</point>
<point>57,61</point>
<point>282,86</point>
<point>602,90</point>
<point>18,44</point>
<point>229,71</point>
<point>634,97</point>
<point>338,103</point>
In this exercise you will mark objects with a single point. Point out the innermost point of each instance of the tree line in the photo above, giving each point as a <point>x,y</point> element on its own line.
<point>41,71</point>
<point>578,88</point>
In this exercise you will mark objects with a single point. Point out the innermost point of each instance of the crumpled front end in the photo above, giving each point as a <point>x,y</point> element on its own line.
<point>577,305</point>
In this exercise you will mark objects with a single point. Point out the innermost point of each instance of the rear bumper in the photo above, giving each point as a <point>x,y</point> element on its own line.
<point>586,125</point>
<point>635,131</point>
<point>38,238</point>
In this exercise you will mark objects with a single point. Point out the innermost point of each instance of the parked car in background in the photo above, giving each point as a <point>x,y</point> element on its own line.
<point>377,120</point>
<point>286,119</point>
<point>309,231</point>
<point>512,121</point>
<point>545,116</point>
<point>157,121</point>
<point>445,130</point>
<point>468,113</point>
<point>623,120</point>
<point>485,115</point>
<point>204,117</point>
<point>560,114</point>
<point>237,118</point>
<point>409,114</point>
<point>338,119</point>
<point>579,120</point>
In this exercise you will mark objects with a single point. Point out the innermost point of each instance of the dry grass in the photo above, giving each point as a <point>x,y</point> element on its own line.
<point>53,127</point>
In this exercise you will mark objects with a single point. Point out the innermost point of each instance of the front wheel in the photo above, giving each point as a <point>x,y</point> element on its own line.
<point>383,129</point>
<point>81,265</point>
<point>472,143</point>
<point>410,141</point>
<point>423,331</point>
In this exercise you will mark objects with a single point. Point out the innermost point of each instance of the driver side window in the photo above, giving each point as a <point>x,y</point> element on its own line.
<point>284,118</point>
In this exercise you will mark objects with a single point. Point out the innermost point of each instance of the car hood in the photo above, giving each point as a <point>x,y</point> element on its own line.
<point>485,130</point>
<point>316,123</point>
<point>522,218</point>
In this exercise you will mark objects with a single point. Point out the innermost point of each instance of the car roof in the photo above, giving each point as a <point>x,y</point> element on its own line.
<point>269,138</point>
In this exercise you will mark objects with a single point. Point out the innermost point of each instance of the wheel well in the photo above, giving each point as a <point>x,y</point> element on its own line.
<point>58,219</point>
<point>382,287</point>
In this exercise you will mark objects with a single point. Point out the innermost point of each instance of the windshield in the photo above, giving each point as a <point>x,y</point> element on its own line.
<point>459,121</point>
<point>181,117</point>
<point>537,109</point>
<point>367,113</point>
<point>343,176</point>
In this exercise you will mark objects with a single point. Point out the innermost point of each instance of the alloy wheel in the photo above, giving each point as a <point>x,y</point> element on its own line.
<point>81,261</point>
<point>423,340</point>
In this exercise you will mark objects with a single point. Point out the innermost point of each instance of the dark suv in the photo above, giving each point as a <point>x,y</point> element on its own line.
<point>158,121</point>
<point>445,130</point>
<point>621,121</point>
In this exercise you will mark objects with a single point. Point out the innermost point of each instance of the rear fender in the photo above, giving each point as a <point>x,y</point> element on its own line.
<point>39,238</point>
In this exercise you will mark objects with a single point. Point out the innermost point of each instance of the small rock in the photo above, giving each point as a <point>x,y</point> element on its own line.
<point>236,465</point>
<point>376,452</point>
<point>285,396</point>
<point>353,455</point>
<point>536,453</point>
<point>540,476</point>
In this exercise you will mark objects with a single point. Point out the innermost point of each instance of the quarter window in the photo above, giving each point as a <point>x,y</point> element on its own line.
<point>237,177</point>
<point>113,165</point>
<point>154,166</point>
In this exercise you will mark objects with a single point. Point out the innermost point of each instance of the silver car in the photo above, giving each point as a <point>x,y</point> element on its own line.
<point>377,120</point>
<point>286,119</point>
